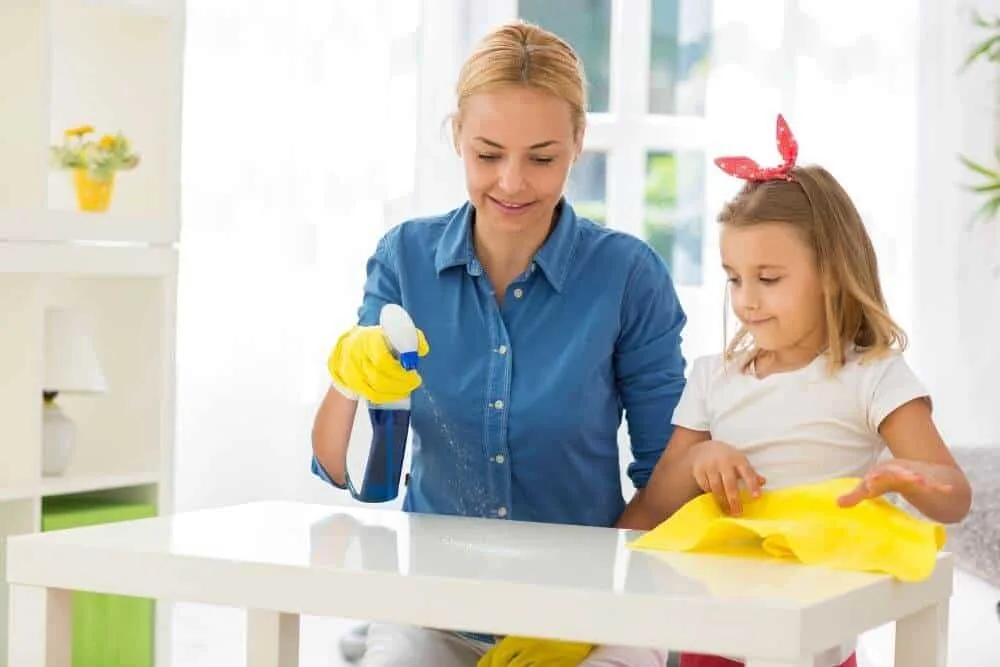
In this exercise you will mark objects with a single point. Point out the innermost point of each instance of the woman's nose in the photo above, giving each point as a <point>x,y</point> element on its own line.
<point>511,177</point>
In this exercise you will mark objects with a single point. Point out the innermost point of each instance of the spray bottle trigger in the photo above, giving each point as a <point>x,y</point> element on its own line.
<point>409,360</point>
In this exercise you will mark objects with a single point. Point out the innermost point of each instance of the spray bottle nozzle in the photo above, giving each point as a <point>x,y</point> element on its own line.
<point>409,360</point>
<point>400,334</point>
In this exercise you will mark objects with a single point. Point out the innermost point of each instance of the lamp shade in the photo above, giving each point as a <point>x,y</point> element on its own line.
<point>71,364</point>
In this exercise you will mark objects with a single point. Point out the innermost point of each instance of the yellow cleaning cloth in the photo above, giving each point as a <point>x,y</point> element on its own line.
<point>529,652</point>
<point>804,524</point>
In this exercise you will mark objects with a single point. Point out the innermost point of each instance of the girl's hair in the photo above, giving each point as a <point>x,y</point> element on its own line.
<point>522,54</point>
<point>815,204</point>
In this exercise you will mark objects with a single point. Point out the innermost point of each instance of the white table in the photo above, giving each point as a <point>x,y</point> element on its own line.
<point>280,560</point>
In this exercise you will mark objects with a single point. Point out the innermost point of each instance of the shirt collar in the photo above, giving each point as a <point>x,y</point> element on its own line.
<point>455,247</point>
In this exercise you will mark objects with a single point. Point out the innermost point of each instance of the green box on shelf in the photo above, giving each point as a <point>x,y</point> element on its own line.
<point>107,629</point>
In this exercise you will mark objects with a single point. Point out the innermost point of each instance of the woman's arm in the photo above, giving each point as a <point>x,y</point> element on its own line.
<point>334,420</point>
<point>648,361</point>
<point>670,486</point>
<point>331,433</point>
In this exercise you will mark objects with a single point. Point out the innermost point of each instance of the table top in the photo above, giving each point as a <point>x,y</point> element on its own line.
<point>484,575</point>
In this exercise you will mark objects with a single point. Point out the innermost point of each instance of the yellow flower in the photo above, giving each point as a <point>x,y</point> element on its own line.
<point>107,142</point>
<point>79,131</point>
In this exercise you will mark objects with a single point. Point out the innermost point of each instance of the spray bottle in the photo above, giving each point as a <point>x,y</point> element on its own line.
<point>390,421</point>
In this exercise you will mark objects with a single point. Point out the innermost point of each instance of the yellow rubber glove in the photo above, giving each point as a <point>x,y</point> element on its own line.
<point>530,652</point>
<point>362,364</point>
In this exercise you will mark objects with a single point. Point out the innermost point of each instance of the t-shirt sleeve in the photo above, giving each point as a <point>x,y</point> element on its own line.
<point>892,384</point>
<point>692,409</point>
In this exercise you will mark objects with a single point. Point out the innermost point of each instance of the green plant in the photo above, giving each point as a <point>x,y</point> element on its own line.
<point>988,50</point>
<point>100,157</point>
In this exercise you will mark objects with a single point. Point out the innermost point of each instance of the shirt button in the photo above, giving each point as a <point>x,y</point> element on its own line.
<point>498,458</point>
<point>502,512</point>
<point>518,293</point>
<point>502,349</point>
<point>498,404</point>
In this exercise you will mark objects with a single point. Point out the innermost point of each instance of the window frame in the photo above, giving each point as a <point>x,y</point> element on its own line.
<point>627,132</point>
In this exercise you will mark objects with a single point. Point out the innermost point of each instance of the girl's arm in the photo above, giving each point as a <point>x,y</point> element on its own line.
<point>670,486</point>
<point>923,470</point>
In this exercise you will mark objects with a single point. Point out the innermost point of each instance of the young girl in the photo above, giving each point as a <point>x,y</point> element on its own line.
<point>813,386</point>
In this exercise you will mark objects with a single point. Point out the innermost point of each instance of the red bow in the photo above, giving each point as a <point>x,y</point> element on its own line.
<point>747,169</point>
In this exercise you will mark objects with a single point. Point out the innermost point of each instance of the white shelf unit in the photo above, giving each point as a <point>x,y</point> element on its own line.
<point>116,65</point>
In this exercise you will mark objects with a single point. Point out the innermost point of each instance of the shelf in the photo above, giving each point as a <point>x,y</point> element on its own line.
<point>115,65</point>
<point>19,492</point>
<point>86,258</point>
<point>160,9</point>
<point>47,487</point>
<point>54,225</point>
<point>59,486</point>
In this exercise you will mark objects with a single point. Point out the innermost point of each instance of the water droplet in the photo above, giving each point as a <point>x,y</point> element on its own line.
<point>467,475</point>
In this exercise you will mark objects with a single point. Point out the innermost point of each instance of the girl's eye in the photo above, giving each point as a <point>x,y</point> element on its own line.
<point>769,280</point>
<point>543,160</point>
<point>733,280</point>
<point>486,157</point>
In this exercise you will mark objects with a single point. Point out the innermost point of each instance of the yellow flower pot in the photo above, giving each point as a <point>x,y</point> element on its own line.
<point>93,195</point>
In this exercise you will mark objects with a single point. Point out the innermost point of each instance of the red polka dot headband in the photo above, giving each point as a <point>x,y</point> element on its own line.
<point>749,170</point>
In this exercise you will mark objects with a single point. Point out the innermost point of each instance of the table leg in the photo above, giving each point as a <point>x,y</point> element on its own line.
<point>922,637</point>
<point>39,627</point>
<point>272,639</point>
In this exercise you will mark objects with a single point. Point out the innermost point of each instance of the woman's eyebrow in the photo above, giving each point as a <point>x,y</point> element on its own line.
<point>543,144</point>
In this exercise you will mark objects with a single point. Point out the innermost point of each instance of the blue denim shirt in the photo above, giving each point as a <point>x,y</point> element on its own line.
<point>520,405</point>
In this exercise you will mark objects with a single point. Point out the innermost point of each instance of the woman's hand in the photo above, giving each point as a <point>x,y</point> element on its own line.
<point>361,364</point>
<point>898,476</point>
<point>718,469</point>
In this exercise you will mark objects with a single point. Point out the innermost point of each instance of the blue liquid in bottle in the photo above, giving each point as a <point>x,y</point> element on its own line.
<point>390,421</point>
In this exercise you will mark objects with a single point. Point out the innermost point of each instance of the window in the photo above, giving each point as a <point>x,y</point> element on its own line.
<point>643,166</point>
<point>588,186</point>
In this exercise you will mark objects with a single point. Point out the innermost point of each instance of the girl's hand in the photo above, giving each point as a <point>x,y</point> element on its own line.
<point>896,475</point>
<point>718,469</point>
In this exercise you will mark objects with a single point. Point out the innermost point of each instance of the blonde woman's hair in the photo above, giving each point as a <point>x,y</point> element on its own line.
<point>815,204</point>
<point>522,54</point>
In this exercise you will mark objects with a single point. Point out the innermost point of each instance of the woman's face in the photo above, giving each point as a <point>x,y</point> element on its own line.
<point>517,144</point>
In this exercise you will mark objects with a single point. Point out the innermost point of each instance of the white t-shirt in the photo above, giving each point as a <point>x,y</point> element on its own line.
<point>800,426</point>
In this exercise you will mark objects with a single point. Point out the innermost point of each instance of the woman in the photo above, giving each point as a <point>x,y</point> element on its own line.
<point>543,326</point>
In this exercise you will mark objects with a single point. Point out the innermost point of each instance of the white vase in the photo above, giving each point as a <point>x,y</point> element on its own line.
<point>58,439</point>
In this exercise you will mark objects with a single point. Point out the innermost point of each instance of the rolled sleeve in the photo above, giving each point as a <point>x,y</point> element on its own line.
<point>649,365</point>
<point>382,282</point>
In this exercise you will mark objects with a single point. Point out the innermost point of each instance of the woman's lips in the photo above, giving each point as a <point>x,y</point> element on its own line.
<point>509,206</point>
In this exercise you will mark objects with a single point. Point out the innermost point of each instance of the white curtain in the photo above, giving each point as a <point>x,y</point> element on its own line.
<point>299,125</point>
<point>846,85</point>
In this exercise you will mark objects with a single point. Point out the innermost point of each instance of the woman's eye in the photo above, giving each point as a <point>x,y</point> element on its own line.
<point>543,160</point>
<point>769,280</point>
<point>488,157</point>
<point>732,280</point>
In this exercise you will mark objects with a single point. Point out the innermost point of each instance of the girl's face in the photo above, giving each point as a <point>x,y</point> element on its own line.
<point>517,144</point>
<point>776,287</point>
